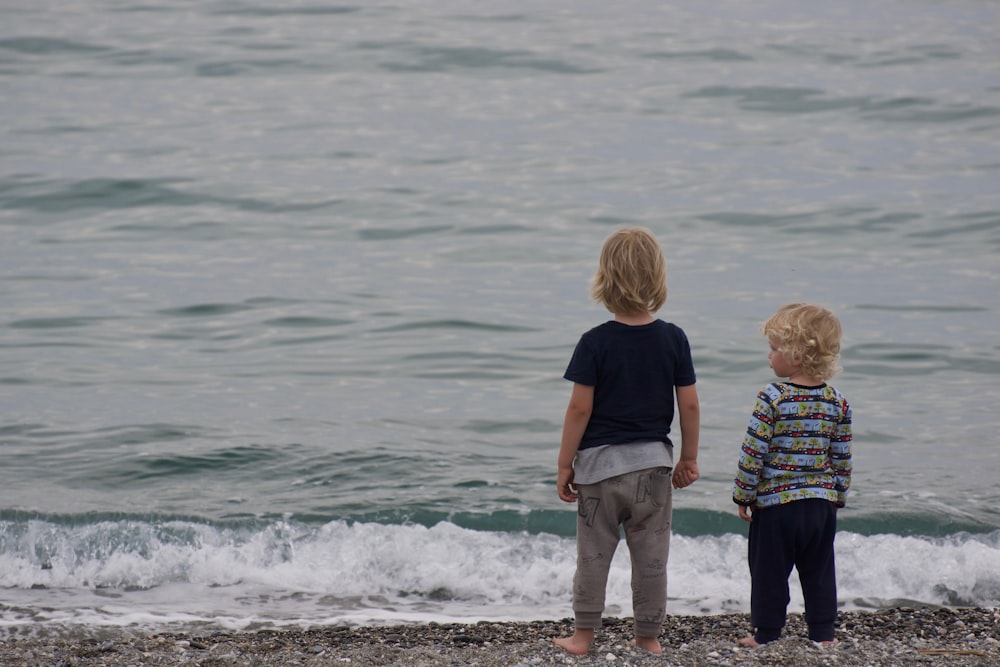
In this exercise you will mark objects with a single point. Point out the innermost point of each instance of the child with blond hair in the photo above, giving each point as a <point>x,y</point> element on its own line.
<point>616,456</point>
<point>793,474</point>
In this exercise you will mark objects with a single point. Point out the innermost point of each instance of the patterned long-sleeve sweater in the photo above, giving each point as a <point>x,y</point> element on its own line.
<point>797,446</point>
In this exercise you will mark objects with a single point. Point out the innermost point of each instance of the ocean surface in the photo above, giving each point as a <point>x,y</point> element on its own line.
<point>287,290</point>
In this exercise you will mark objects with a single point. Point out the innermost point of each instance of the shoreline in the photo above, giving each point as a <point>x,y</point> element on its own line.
<point>963,637</point>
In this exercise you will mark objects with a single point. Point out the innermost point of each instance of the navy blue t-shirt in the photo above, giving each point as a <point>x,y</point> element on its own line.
<point>634,370</point>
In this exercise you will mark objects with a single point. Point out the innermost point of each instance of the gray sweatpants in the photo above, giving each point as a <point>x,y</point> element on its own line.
<point>639,502</point>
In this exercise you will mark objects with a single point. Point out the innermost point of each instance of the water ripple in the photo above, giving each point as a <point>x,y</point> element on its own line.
<point>797,100</point>
<point>459,325</point>
<point>57,322</point>
<point>273,12</point>
<point>421,58</point>
<point>709,55</point>
<point>37,46</point>
<point>107,194</point>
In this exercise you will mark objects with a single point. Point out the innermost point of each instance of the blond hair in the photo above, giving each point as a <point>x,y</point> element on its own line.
<point>807,334</point>
<point>631,276</point>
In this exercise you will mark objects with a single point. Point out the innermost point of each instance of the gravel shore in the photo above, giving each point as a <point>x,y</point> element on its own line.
<point>891,637</point>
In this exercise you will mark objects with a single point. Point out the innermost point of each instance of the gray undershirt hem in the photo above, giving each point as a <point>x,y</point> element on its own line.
<point>596,464</point>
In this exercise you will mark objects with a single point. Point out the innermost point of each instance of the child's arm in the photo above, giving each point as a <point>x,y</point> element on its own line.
<point>689,410</point>
<point>581,404</point>
<point>840,454</point>
<point>756,444</point>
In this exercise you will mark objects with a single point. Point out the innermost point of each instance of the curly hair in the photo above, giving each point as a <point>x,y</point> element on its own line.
<point>808,334</point>
<point>631,275</point>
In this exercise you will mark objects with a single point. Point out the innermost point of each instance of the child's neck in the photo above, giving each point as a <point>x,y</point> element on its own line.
<point>805,380</point>
<point>635,319</point>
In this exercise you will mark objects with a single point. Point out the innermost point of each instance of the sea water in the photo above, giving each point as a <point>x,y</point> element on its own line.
<point>288,290</point>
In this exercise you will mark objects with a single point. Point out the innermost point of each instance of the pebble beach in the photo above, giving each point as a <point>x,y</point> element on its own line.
<point>962,637</point>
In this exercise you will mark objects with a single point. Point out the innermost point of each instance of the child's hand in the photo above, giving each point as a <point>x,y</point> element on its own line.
<point>565,487</point>
<point>746,513</point>
<point>685,473</point>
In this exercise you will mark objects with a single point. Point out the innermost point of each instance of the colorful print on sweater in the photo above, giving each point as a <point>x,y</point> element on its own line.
<point>797,446</point>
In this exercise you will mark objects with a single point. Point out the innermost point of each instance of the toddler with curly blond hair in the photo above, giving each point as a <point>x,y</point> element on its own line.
<point>794,472</point>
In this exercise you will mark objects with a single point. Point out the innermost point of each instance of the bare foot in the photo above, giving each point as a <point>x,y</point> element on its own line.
<point>651,644</point>
<point>830,642</point>
<point>749,642</point>
<point>578,644</point>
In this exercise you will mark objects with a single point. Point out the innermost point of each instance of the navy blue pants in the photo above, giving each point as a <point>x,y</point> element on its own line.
<point>799,534</point>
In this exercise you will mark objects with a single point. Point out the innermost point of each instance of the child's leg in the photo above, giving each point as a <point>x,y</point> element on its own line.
<point>647,533</point>
<point>597,536</point>
<point>771,555</point>
<point>817,569</point>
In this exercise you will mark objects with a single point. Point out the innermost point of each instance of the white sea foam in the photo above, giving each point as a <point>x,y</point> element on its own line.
<point>131,573</point>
